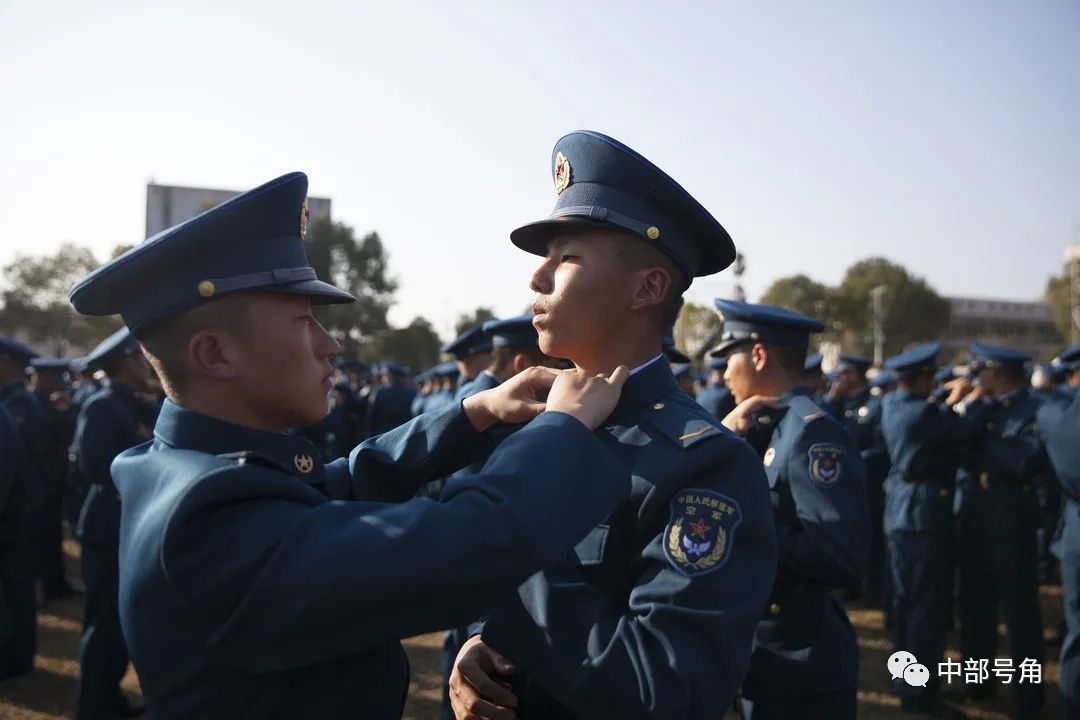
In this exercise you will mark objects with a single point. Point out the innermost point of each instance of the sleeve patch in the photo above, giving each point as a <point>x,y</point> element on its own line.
<point>700,535</point>
<point>825,463</point>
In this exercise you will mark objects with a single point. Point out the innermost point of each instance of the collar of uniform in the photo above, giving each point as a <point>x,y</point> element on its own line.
<point>652,380</point>
<point>1009,398</point>
<point>492,377</point>
<point>118,388</point>
<point>10,387</point>
<point>186,429</point>
<point>803,390</point>
<point>646,364</point>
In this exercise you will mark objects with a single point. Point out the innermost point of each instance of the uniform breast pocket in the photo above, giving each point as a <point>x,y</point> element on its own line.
<point>590,551</point>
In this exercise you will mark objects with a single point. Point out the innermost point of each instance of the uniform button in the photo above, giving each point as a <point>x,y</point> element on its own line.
<point>774,609</point>
<point>658,406</point>
<point>943,492</point>
<point>989,426</point>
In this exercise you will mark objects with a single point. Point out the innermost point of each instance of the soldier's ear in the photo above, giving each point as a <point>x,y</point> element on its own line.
<point>759,356</point>
<point>521,362</point>
<point>652,288</point>
<point>209,354</point>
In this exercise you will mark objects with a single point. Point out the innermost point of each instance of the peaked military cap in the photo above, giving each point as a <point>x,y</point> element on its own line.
<point>1070,358</point>
<point>447,369</point>
<point>512,332</point>
<point>255,241</point>
<point>52,363</point>
<point>853,363</point>
<point>813,363</point>
<point>394,369</point>
<point>883,379</point>
<point>989,356</point>
<point>470,342</point>
<point>119,343</point>
<point>600,181</point>
<point>922,358</point>
<point>14,350</point>
<point>754,322</point>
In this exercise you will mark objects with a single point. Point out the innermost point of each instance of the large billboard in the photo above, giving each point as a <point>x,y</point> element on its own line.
<point>167,205</point>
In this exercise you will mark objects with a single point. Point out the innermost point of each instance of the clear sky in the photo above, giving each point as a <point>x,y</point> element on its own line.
<point>943,135</point>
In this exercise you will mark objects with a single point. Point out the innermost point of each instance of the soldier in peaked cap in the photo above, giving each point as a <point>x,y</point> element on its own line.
<point>48,382</point>
<point>31,422</point>
<point>805,661</point>
<point>512,346</point>
<point>389,404</point>
<point>924,439</point>
<point>997,517</point>
<point>254,579</point>
<point>472,350</point>
<point>652,614</point>
<point>813,377</point>
<point>112,420</point>
<point>1059,425</point>
<point>716,398</point>
<point>852,401</point>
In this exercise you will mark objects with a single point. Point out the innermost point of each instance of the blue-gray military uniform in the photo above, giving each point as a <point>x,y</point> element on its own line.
<point>861,416</point>
<point>806,660</point>
<point>389,405</point>
<point>16,553</point>
<point>59,430</point>
<point>1059,424</point>
<point>112,420</point>
<point>716,398</point>
<point>924,440</point>
<point>652,615</point>
<point>464,346</point>
<point>997,518</point>
<point>257,581</point>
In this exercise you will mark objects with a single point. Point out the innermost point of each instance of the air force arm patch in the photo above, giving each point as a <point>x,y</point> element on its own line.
<point>701,533</point>
<point>825,463</point>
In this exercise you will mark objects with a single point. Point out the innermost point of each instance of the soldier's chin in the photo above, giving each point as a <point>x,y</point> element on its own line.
<point>549,343</point>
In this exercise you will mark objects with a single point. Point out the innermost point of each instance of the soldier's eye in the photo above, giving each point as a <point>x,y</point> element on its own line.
<point>568,258</point>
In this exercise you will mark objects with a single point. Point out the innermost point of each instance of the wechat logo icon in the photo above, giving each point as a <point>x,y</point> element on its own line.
<point>904,666</point>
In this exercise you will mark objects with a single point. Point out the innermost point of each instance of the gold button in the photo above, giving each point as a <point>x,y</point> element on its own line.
<point>753,336</point>
<point>653,232</point>
<point>206,288</point>
<point>764,419</point>
<point>658,406</point>
<point>774,609</point>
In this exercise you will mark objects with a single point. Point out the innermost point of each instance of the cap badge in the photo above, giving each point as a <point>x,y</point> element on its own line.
<point>562,173</point>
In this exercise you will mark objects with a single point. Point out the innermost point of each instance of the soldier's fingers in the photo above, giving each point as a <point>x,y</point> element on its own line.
<point>478,678</point>
<point>619,376</point>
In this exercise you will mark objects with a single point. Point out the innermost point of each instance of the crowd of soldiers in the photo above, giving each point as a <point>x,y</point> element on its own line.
<point>604,533</point>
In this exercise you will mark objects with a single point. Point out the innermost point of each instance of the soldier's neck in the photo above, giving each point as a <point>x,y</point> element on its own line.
<point>220,406</point>
<point>631,352</point>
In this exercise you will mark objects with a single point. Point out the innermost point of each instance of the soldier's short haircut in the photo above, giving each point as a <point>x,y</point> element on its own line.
<point>791,359</point>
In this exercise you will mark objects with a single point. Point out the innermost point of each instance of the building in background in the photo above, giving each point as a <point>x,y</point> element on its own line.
<point>167,205</point>
<point>1027,326</point>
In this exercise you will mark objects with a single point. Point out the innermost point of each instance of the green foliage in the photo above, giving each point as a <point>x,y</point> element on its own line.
<point>358,266</point>
<point>415,345</point>
<point>468,320</point>
<point>911,310</point>
<point>35,302</point>
<point>697,329</point>
<point>1057,296</point>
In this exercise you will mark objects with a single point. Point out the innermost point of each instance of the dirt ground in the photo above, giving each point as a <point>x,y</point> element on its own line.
<point>48,693</point>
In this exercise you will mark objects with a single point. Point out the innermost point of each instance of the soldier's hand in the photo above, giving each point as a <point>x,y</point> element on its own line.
<point>477,691</point>
<point>518,400</point>
<point>60,400</point>
<point>958,390</point>
<point>586,397</point>
<point>739,420</point>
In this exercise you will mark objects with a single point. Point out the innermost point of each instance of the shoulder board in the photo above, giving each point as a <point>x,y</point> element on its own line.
<point>248,457</point>
<point>805,408</point>
<point>680,422</point>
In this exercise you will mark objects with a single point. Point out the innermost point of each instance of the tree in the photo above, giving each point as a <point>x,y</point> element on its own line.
<point>806,297</point>
<point>415,345</point>
<point>468,320</point>
<point>697,329</point>
<point>913,311</point>
<point>1058,297</point>
<point>35,301</point>
<point>358,266</point>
